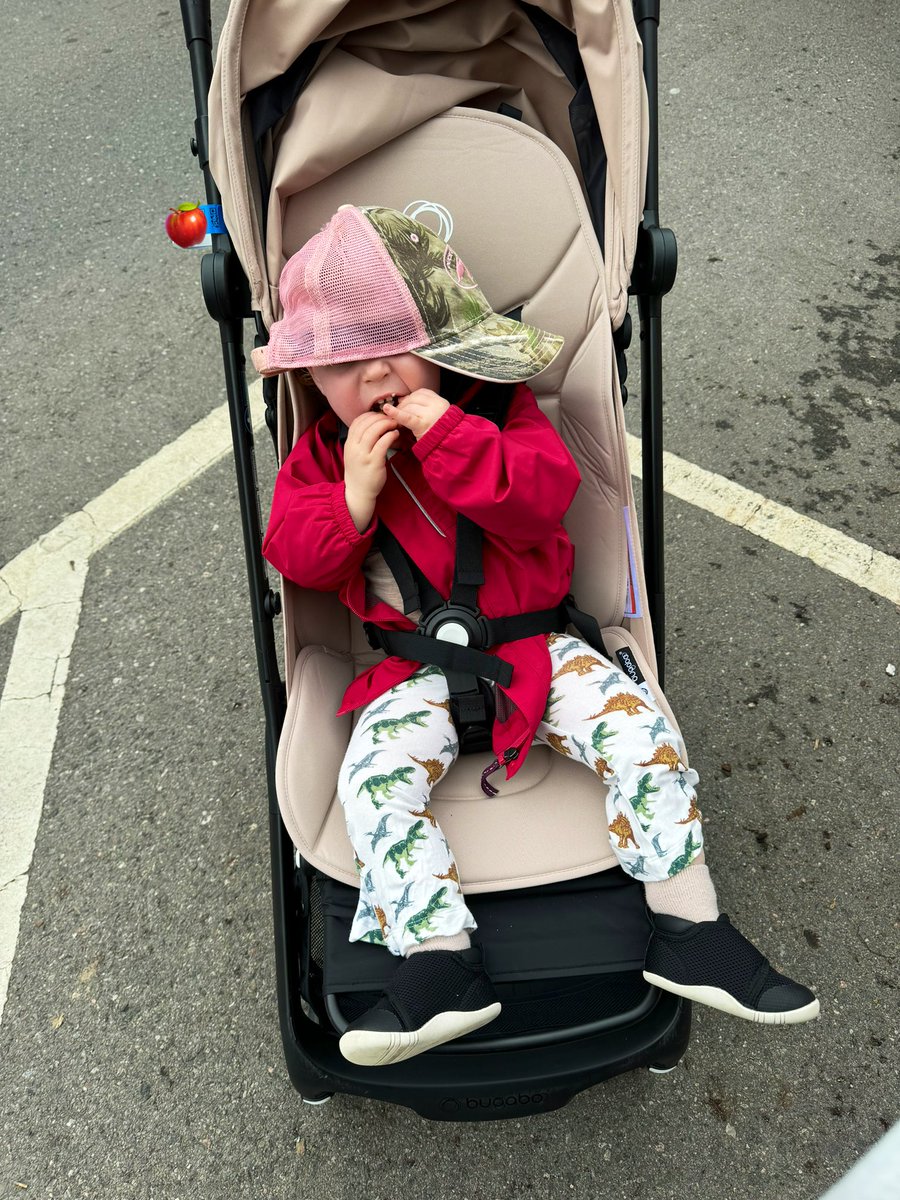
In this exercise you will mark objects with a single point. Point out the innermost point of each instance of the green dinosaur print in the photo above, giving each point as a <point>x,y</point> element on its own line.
<point>402,851</point>
<point>375,936</point>
<point>383,784</point>
<point>639,801</point>
<point>421,923</point>
<point>600,737</point>
<point>690,852</point>
<point>392,726</point>
<point>413,680</point>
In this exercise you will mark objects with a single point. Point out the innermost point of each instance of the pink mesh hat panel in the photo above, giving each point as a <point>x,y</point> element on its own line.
<point>374,283</point>
<point>343,300</point>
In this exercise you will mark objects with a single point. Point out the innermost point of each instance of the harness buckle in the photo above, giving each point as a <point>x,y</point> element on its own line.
<point>454,623</point>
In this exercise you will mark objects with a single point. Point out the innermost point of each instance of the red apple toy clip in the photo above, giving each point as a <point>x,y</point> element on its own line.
<point>186,225</point>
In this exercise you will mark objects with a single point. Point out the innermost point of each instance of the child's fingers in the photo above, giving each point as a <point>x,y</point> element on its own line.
<point>367,429</point>
<point>387,440</point>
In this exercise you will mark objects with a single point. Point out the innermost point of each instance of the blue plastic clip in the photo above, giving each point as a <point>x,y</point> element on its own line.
<point>214,220</point>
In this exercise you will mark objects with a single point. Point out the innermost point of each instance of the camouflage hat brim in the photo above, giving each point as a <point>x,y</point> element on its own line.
<point>498,349</point>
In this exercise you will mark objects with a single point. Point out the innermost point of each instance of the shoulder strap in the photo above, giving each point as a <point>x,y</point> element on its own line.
<point>416,590</point>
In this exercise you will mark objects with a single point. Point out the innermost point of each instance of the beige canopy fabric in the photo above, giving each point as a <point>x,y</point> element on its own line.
<point>385,69</point>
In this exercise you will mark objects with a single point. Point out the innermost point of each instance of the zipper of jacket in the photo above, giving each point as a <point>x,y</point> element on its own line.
<point>416,501</point>
<point>505,759</point>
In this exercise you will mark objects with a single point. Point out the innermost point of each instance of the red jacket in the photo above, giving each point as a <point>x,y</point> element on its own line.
<point>516,483</point>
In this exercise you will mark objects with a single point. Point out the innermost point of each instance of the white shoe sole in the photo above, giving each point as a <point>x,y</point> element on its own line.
<point>718,998</point>
<point>371,1049</point>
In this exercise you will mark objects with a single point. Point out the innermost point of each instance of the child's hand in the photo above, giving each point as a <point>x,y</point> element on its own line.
<point>370,437</point>
<point>418,411</point>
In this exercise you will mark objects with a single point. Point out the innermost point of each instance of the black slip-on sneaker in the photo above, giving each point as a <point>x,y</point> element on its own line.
<point>713,963</point>
<point>434,996</point>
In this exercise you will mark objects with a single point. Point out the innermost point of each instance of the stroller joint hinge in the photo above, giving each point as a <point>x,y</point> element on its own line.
<point>224,285</point>
<point>655,260</point>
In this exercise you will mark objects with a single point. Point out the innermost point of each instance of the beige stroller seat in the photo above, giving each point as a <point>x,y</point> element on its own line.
<point>513,207</point>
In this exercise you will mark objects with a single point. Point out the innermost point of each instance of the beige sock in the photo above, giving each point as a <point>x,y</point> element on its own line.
<point>690,895</point>
<point>458,941</point>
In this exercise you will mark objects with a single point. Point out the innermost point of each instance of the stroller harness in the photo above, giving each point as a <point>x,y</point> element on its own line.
<point>454,634</point>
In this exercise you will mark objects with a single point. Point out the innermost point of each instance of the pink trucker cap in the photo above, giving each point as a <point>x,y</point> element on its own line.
<point>374,282</point>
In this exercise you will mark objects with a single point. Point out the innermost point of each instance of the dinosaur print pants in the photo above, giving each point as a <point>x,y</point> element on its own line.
<point>403,744</point>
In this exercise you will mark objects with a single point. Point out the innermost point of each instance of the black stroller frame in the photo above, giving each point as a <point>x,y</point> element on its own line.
<point>499,1076</point>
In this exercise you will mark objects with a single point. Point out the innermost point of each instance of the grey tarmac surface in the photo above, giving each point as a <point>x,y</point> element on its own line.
<point>139,1049</point>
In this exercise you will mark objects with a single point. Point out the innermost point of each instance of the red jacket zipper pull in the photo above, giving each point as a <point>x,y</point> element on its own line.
<point>509,756</point>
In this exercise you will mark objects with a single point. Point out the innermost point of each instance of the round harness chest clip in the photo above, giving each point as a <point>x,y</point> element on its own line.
<point>453,623</point>
<point>452,631</point>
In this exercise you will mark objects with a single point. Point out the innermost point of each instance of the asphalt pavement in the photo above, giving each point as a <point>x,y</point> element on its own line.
<point>139,1048</point>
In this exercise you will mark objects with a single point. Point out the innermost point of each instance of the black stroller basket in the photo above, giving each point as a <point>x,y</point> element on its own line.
<point>568,968</point>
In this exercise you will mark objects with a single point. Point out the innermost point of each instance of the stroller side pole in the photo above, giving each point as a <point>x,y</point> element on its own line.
<point>655,265</point>
<point>226,293</point>
<point>649,314</point>
<point>195,17</point>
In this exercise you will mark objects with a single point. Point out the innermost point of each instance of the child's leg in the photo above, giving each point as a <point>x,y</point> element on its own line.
<point>409,886</point>
<point>597,714</point>
<point>410,895</point>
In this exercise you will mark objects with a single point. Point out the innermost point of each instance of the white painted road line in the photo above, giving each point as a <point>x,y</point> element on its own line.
<point>836,552</point>
<point>46,583</point>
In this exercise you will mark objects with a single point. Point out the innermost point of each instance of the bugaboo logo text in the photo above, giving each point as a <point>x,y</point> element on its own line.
<point>629,666</point>
<point>450,1104</point>
<point>505,1101</point>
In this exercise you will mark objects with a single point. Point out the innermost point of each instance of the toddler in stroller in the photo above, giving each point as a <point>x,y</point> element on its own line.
<point>430,495</point>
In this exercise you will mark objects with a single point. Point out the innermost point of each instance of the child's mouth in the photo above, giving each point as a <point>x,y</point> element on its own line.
<point>378,406</point>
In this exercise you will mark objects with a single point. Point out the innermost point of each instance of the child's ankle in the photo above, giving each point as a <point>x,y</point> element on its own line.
<point>457,941</point>
<point>690,895</point>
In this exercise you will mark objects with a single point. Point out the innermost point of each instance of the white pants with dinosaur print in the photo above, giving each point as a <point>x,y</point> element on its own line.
<point>403,744</point>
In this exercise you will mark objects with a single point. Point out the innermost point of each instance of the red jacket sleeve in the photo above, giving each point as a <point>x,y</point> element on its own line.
<point>517,481</point>
<point>311,538</point>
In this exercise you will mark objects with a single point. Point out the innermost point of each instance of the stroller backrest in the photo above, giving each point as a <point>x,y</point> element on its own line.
<point>301,89</point>
<point>512,207</point>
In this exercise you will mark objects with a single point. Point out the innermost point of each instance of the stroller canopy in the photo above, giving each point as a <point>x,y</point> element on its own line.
<point>301,90</point>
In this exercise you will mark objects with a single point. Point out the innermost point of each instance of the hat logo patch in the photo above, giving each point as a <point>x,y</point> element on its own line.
<point>417,208</point>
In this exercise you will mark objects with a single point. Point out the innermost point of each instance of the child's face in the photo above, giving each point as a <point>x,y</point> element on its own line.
<point>354,388</point>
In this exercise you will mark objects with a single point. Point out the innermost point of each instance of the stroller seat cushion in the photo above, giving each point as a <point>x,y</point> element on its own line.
<point>547,824</point>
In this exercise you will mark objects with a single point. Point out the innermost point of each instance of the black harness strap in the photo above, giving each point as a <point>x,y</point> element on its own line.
<point>415,589</point>
<point>449,656</point>
<point>468,573</point>
<point>469,670</point>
